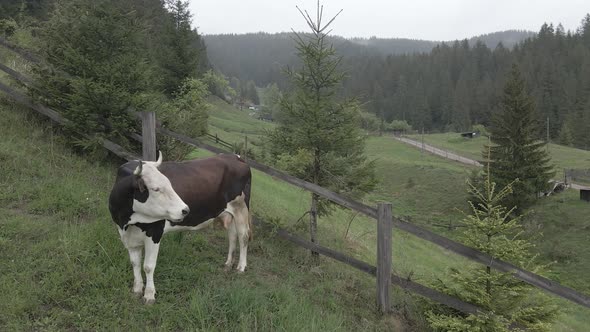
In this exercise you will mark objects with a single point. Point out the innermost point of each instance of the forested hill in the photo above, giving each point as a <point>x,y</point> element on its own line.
<point>261,56</point>
<point>453,87</point>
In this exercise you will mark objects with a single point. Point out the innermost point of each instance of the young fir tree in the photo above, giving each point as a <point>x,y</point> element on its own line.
<point>319,137</point>
<point>506,301</point>
<point>97,64</point>
<point>517,152</point>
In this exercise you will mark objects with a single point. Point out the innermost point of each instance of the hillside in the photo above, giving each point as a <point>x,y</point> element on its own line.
<point>64,267</point>
<point>428,190</point>
<point>562,156</point>
<point>261,57</point>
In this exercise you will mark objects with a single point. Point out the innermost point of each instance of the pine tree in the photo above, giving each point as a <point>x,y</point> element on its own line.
<point>491,229</point>
<point>98,67</point>
<point>565,135</point>
<point>516,151</point>
<point>182,53</point>
<point>319,137</point>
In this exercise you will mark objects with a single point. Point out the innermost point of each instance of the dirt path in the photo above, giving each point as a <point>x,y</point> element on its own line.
<point>456,157</point>
<point>438,152</point>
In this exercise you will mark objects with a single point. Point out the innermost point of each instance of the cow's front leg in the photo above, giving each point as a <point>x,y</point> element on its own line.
<point>135,257</point>
<point>149,265</point>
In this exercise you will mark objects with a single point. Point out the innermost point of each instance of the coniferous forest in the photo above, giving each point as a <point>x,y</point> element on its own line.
<point>452,87</point>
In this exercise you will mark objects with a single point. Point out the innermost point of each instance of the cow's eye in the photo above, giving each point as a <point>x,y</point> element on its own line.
<point>156,189</point>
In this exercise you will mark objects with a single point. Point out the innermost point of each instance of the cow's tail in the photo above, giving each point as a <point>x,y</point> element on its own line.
<point>247,190</point>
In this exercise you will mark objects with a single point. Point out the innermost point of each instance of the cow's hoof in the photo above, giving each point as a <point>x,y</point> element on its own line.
<point>226,267</point>
<point>241,269</point>
<point>148,301</point>
<point>138,294</point>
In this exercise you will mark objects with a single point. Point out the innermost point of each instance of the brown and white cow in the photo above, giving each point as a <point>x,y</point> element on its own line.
<point>150,199</point>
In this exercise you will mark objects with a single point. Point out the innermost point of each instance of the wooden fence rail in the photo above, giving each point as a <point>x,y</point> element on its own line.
<point>56,117</point>
<point>396,280</point>
<point>470,253</point>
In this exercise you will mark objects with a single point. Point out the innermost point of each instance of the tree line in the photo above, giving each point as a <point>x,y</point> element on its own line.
<point>455,86</point>
<point>458,85</point>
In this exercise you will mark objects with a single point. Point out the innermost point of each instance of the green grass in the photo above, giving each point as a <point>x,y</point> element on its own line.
<point>430,191</point>
<point>64,268</point>
<point>75,274</point>
<point>233,125</point>
<point>561,156</point>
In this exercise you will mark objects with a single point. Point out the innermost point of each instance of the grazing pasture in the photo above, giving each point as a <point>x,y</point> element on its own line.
<point>75,273</point>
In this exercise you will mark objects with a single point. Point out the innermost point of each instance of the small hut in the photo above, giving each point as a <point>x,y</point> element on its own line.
<point>471,134</point>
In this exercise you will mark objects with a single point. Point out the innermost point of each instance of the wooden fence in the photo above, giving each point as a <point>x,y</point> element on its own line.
<point>382,214</point>
<point>580,176</point>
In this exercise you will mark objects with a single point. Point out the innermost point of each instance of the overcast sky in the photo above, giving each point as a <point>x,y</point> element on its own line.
<point>417,19</point>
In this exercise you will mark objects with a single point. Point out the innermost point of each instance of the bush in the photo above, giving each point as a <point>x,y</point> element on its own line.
<point>8,27</point>
<point>369,122</point>
<point>398,126</point>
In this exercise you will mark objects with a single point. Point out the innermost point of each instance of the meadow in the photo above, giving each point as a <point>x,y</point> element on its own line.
<point>561,156</point>
<point>431,191</point>
<point>68,270</point>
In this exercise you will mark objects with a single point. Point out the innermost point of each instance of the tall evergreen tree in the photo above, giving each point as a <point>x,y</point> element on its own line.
<point>98,67</point>
<point>319,137</point>
<point>183,54</point>
<point>517,152</point>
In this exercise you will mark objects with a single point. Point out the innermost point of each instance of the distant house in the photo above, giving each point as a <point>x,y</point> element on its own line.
<point>471,134</point>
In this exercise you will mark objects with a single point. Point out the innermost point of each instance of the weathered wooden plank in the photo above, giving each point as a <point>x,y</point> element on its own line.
<point>475,255</point>
<point>16,75</point>
<point>384,225</point>
<point>148,134</point>
<point>56,117</point>
<point>24,53</point>
<point>435,295</point>
<point>24,100</point>
<point>372,270</point>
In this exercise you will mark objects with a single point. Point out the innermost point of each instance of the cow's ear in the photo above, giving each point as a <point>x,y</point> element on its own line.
<point>140,184</point>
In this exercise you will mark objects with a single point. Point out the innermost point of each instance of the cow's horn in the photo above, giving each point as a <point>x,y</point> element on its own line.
<point>139,168</point>
<point>159,161</point>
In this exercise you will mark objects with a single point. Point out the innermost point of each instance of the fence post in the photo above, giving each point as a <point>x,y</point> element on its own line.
<point>245,147</point>
<point>384,235</point>
<point>148,134</point>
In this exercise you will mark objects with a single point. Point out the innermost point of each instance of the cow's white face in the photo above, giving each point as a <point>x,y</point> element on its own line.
<point>154,196</point>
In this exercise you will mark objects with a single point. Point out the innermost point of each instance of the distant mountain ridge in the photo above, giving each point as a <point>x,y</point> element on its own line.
<point>262,56</point>
<point>386,46</point>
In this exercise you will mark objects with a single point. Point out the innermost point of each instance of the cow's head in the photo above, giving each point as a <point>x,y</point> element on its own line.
<point>153,195</point>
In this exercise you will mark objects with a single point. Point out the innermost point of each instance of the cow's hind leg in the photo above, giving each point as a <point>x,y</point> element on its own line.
<point>135,257</point>
<point>241,221</point>
<point>149,265</point>
<point>232,235</point>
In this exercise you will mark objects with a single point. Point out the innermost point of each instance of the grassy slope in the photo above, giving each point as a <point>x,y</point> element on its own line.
<point>63,266</point>
<point>79,241</point>
<point>562,156</point>
<point>429,190</point>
